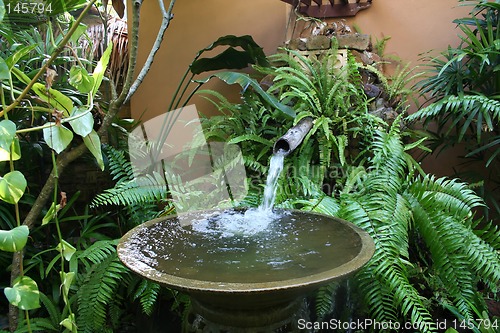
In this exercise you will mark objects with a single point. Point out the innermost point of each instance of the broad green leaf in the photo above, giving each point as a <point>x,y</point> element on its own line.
<point>15,239</point>
<point>66,249</point>
<point>82,125</point>
<point>100,69</point>
<point>12,187</point>
<point>20,75</point>
<point>80,30</point>
<point>15,151</point>
<point>24,293</point>
<point>81,79</point>
<point>57,137</point>
<point>7,134</point>
<point>244,80</point>
<point>51,213</point>
<point>69,323</point>
<point>67,280</point>
<point>54,97</point>
<point>4,70</point>
<point>18,55</point>
<point>230,58</point>
<point>93,143</point>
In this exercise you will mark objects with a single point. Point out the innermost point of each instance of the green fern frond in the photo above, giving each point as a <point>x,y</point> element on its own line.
<point>98,252</point>
<point>141,189</point>
<point>440,231</point>
<point>383,281</point>
<point>325,298</point>
<point>97,289</point>
<point>443,215</point>
<point>490,233</point>
<point>449,195</point>
<point>483,258</point>
<point>118,164</point>
<point>147,292</point>
<point>37,325</point>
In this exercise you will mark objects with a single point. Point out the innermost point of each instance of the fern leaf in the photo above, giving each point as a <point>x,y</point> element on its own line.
<point>143,189</point>
<point>444,236</point>
<point>98,252</point>
<point>325,298</point>
<point>97,290</point>
<point>147,292</point>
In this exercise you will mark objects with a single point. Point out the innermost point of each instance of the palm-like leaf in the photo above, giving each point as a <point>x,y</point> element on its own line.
<point>475,113</point>
<point>463,83</point>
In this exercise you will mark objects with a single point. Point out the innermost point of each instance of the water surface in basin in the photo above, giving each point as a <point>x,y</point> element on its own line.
<point>203,246</point>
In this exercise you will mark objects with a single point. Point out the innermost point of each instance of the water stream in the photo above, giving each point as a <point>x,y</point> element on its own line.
<point>275,168</point>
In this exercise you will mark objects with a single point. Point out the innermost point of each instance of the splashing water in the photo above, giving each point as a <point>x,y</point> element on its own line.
<point>254,220</point>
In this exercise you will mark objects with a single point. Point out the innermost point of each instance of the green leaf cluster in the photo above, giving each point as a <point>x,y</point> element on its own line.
<point>332,95</point>
<point>99,285</point>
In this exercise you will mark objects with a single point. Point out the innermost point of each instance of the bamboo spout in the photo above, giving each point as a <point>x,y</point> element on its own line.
<point>293,137</point>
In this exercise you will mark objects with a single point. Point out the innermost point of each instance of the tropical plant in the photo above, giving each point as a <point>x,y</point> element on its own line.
<point>332,95</point>
<point>462,90</point>
<point>145,196</point>
<point>422,226</point>
<point>36,111</point>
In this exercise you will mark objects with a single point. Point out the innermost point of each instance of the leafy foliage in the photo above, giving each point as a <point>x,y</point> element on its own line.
<point>403,210</point>
<point>330,94</point>
<point>98,287</point>
<point>462,90</point>
<point>140,195</point>
<point>147,293</point>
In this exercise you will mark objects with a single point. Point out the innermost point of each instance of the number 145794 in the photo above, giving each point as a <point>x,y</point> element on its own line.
<point>28,7</point>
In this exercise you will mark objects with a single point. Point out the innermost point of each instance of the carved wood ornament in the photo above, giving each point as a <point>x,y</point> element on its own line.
<point>329,9</point>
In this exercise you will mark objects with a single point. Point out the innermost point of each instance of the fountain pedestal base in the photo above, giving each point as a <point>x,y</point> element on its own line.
<point>279,318</point>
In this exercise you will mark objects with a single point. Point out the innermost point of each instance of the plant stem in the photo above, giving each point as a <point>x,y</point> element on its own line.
<point>28,323</point>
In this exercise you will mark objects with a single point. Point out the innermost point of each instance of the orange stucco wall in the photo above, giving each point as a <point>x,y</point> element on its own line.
<point>414,26</point>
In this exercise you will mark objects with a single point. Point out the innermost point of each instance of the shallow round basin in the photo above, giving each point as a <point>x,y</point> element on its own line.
<point>241,278</point>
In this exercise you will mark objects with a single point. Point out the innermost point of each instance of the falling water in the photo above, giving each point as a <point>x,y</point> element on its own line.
<point>275,168</point>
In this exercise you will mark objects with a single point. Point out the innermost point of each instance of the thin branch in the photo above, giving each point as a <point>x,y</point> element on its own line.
<point>167,17</point>
<point>134,47</point>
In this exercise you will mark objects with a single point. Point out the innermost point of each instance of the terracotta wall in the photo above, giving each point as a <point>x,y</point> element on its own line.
<point>414,26</point>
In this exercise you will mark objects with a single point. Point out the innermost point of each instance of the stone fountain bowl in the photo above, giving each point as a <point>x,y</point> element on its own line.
<point>243,278</point>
